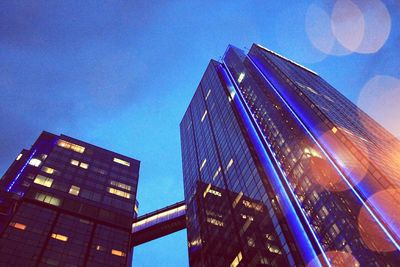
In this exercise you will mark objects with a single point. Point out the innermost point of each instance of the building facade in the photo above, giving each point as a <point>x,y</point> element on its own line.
<point>280,169</point>
<point>65,202</point>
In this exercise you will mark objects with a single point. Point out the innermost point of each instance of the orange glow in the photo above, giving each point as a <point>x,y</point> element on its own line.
<point>19,226</point>
<point>118,253</point>
<point>371,233</point>
<point>336,259</point>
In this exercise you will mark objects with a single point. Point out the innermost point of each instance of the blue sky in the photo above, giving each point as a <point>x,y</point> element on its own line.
<point>120,74</point>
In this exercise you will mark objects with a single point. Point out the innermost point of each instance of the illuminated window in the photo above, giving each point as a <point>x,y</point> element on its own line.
<point>334,129</point>
<point>206,191</point>
<point>208,94</point>
<point>70,146</point>
<point>119,192</point>
<point>59,237</point>
<point>48,199</point>
<point>118,253</point>
<point>237,260</point>
<point>121,185</point>
<point>35,162</point>
<point>84,165</point>
<point>241,77</point>
<point>202,164</point>
<point>48,170</point>
<point>229,164</point>
<point>100,248</point>
<point>237,199</point>
<point>136,208</point>
<point>204,116</point>
<point>43,180</point>
<point>74,162</point>
<point>74,190</point>
<point>215,222</point>
<point>18,157</point>
<point>217,172</point>
<point>122,162</point>
<point>19,226</point>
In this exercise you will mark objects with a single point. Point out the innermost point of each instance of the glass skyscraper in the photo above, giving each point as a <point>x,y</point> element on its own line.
<point>65,202</point>
<point>280,169</point>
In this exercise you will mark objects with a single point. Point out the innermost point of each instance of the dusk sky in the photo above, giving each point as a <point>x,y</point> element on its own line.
<point>120,74</point>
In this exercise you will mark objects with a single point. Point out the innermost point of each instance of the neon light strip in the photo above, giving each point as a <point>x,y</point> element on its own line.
<point>261,69</point>
<point>293,220</point>
<point>21,171</point>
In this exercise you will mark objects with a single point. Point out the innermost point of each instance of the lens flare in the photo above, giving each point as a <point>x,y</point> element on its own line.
<point>380,98</point>
<point>348,24</point>
<point>336,259</point>
<point>388,202</point>
<point>319,32</point>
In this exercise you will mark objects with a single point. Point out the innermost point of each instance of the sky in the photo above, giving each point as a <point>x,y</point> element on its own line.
<point>120,74</point>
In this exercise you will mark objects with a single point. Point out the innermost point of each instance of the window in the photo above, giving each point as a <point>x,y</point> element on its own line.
<point>208,93</point>
<point>118,253</point>
<point>84,165</point>
<point>48,170</point>
<point>19,226</point>
<point>48,199</point>
<point>59,237</point>
<point>237,260</point>
<point>70,146</point>
<point>118,192</point>
<point>334,129</point>
<point>35,162</point>
<point>74,190</point>
<point>100,248</point>
<point>121,185</point>
<point>241,77</point>
<point>43,180</point>
<point>202,164</point>
<point>229,164</point>
<point>74,162</point>
<point>18,157</point>
<point>204,116</point>
<point>122,162</point>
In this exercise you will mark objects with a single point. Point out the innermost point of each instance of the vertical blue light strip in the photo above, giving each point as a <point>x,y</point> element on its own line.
<point>21,171</point>
<point>307,250</point>
<point>264,72</point>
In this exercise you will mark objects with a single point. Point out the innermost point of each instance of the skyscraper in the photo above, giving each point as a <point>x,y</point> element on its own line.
<point>65,202</point>
<point>264,135</point>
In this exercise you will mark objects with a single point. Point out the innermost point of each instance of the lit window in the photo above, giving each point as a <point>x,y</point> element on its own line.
<point>100,248</point>
<point>206,191</point>
<point>241,77</point>
<point>118,253</point>
<point>204,116</point>
<point>119,192</point>
<point>43,180</point>
<point>35,162</point>
<point>217,172</point>
<point>136,208</point>
<point>48,170</point>
<point>122,162</point>
<point>59,237</point>
<point>74,162</point>
<point>48,199</point>
<point>334,129</point>
<point>229,164</point>
<point>84,165</point>
<point>18,157</point>
<point>121,185</point>
<point>237,199</point>
<point>74,190</point>
<point>215,222</point>
<point>202,164</point>
<point>237,260</point>
<point>19,226</point>
<point>208,94</point>
<point>70,146</point>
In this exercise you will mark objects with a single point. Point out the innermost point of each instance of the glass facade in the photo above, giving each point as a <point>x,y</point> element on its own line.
<point>263,131</point>
<point>67,203</point>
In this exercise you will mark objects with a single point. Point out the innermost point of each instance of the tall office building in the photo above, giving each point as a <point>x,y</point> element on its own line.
<point>280,169</point>
<point>65,202</point>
